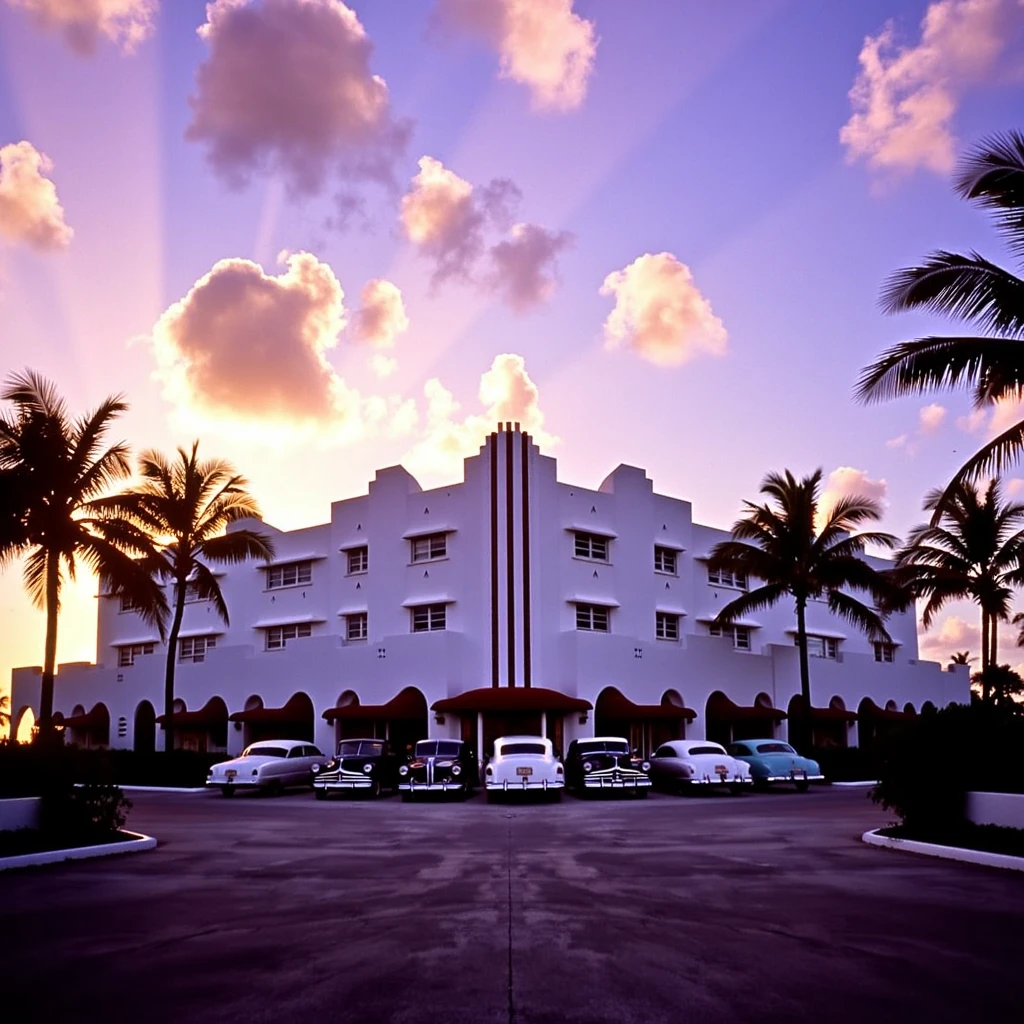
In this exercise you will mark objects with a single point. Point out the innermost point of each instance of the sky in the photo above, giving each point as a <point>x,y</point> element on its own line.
<point>326,237</point>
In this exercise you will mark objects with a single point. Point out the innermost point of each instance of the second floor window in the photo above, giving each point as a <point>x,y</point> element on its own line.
<point>429,617</point>
<point>725,578</point>
<point>666,626</point>
<point>820,646</point>
<point>358,560</point>
<point>126,655</point>
<point>592,617</point>
<point>885,652</point>
<point>434,545</point>
<point>290,575</point>
<point>590,545</point>
<point>355,626</point>
<point>128,603</point>
<point>192,592</point>
<point>740,635</point>
<point>194,648</point>
<point>278,636</point>
<point>665,560</point>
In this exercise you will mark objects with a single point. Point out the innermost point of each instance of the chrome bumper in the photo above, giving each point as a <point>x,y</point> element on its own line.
<point>430,787</point>
<point>798,777</point>
<point>321,783</point>
<point>707,780</point>
<point>523,784</point>
<point>625,782</point>
<point>234,784</point>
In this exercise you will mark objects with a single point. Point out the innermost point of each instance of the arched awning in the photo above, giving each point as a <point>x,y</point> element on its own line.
<point>410,703</point>
<point>869,709</point>
<point>213,713</point>
<point>98,718</point>
<point>829,714</point>
<point>615,704</point>
<point>513,698</point>
<point>722,707</point>
<point>297,709</point>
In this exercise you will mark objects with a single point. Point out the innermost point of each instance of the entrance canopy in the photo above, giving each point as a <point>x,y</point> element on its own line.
<point>213,713</point>
<point>614,704</point>
<point>513,698</point>
<point>722,707</point>
<point>829,714</point>
<point>296,710</point>
<point>869,709</point>
<point>410,704</point>
<point>98,718</point>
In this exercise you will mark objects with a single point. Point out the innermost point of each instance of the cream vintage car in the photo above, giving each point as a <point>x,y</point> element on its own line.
<point>524,764</point>
<point>270,766</point>
<point>685,764</point>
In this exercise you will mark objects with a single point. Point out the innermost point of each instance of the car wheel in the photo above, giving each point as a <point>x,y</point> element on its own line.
<point>639,794</point>
<point>802,787</point>
<point>228,790</point>
<point>407,798</point>
<point>275,788</point>
<point>761,785</point>
<point>374,789</point>
<point>320,794</point>
<point>736,790</point>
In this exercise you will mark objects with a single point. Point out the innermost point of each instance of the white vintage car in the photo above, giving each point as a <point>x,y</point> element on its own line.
<point>682,764</point>
<point>269,765</point>
<point>523,764</point>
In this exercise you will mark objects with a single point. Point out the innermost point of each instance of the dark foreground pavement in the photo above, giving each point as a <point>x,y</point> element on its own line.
<point>714,909</point>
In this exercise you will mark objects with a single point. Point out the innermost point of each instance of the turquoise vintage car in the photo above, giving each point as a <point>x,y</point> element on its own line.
<point>773,761</point>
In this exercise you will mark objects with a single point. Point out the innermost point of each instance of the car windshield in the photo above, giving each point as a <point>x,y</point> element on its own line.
<point>775,748</point>
<point>706,750</point>
<point>603,747</point>
<point>437,748</point>
<point>522,748</point>
<point>360,748</point>
<point>258,750</point>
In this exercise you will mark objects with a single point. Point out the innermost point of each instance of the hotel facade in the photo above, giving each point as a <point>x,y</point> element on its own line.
<point>509,603</point>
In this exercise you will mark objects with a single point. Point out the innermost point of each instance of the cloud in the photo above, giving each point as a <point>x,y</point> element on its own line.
<point>249,345</point>
<point>524,265</point>
<point>506,393</point>
<point>542,44</point>
<point>660,313</point>
<point>904,98</point>
<point>1014,487</point>
<point>930,418</point>
<point>83,23</point>
<point>287,87</point>
<point>381,317</point>
<point>953,634</point>
<point>903,441</point>
<point>29,209</point>
<point>844,482</point>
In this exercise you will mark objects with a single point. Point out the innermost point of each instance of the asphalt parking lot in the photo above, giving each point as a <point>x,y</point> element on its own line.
<point>764,907</point>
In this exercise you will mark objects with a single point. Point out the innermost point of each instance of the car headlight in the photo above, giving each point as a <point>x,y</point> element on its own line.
<point>315,769</point>
<point>456,769</point>
<point>255,771</point>
<point>645,766</point>
<point>443,764</point>
<point>333,763</point>
<point>367,768</point>
<point>404,770</point>
<point>587,766</point>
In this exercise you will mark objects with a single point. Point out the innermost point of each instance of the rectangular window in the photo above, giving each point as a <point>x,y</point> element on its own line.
<point>725,578</point>
<point>194,648</point>
<point>885,652</point>
<point>592,617</point>
<point>126,655</point>
<point>428,617</point>
<point>292,574</point>
<point>590,545</point>
<point>740,635</point>
<point>665,560</point>
<point>820,646</point>
<point>666,626</point>
<point>192,592</point>
<point>278,636</point>
<point>355,626</point>
<point>358,560</point>
<point>425,549</point>
<point>128,603</point>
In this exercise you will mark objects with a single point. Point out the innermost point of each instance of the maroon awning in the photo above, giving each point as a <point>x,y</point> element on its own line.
<point>869,708</point>
<point>829,714</point>
<point>98,718</point>
<point>211,714</point>
<point>722,707</point>
<point>407,704</point>
<point>296,710</point>
<point>513,698</point>
<point>615,704</point>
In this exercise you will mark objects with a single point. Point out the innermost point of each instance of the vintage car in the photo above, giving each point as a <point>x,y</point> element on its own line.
<point>685,764</point>
<point>773,761</point>
<point>439,766</point>
<point>270,766</point>
<point>605,763</point>
<point>524,764</point>
<point>363,765</point>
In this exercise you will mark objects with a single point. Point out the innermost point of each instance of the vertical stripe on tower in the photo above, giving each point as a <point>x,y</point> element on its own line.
<point>492,444</point>
<point>510,555</point>
<point>526,559</point>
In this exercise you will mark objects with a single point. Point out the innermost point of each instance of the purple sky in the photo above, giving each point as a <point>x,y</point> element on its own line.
<point>328,238</point>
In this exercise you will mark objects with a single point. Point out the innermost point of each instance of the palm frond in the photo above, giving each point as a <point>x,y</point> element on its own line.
<point>752,601</point>
<point>236,547</point>
<point>858,614</point>
<point>993,176</point>
<point>34,574</point>
<point>209,589</point>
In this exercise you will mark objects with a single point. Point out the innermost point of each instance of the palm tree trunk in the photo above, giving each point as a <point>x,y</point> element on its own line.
<point>172,654</point>
<point>984,655</point>
<point>50,650</point>
<point>804,728</point>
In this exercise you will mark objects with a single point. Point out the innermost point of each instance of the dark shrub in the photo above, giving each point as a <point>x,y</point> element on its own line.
<point>846,764</point>
<point>81,812</point>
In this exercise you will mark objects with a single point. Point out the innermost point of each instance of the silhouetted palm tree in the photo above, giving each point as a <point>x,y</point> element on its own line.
<point>972,552</point>
<point>185,506</point>
<point>961,658</point>
<point>54,472</point>
<point>793,555</point>
<point>984,296</point>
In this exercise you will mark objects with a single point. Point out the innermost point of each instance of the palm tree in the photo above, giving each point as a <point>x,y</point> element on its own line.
<point>793,555</point>
<point>984,296</point>
<point>185,506</point>
<point>972,552</point>
<point>53,472</point>
<point>5,709</point>
<point>961,658</point>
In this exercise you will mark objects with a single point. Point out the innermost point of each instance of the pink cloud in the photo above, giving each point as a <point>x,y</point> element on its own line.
<point>381,317</point>
<point>524,265</point>
<point>931,417</point>
<point>287,87</point>
<point>660,313</point>
<point>845,482</point>
<point>542,44</point>
<point>904,98</point>
<point>83,23</point>
<point>953,634</point>
<point>30,211</point>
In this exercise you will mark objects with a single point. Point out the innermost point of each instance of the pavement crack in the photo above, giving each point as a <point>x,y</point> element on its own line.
<point>511,994</point>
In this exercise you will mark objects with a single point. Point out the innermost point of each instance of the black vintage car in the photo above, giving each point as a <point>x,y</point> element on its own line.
<point>439,766</point>
<point>605,764</point>
<point>366,766</point>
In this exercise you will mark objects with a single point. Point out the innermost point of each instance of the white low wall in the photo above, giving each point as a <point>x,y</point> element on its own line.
<point>20,812</point>
<point>996,809</point>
